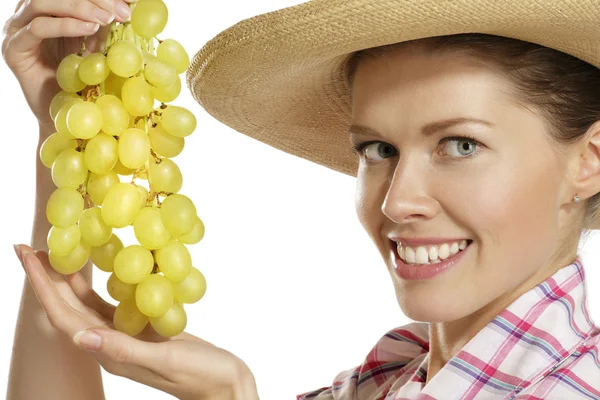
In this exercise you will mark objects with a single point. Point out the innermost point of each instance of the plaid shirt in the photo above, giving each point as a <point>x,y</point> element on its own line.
<point>543,346</point>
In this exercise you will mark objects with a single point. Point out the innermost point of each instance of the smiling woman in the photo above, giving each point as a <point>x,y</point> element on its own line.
<point>475,126</point>
<point>476,152</point>
<point>498,184</point>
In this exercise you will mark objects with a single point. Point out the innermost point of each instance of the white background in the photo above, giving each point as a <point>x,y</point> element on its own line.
<point>295,286</point>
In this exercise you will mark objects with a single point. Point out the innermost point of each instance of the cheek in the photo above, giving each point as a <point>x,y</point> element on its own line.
<point>368,201</point>
<point>511,206</point>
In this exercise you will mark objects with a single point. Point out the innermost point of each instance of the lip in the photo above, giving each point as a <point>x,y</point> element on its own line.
<point>416,242</point>
<point>420,272</point>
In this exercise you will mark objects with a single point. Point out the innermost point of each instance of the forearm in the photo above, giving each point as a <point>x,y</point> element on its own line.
<point>45,363</point>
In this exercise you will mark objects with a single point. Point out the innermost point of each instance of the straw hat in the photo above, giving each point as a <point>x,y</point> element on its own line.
<point>279,77</point>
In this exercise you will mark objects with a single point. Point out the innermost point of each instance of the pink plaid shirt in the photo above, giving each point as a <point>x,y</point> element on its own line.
<point>543,346</point>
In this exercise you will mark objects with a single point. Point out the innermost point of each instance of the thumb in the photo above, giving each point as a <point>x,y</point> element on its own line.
<point>119,347</point>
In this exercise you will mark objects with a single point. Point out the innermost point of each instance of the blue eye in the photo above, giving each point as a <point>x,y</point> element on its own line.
<point>472,144</point>
<point>363,150</point>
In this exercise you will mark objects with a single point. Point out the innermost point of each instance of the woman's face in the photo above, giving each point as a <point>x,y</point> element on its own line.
<point>505,191</point>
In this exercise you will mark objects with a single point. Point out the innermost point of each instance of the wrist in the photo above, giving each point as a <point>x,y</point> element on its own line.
<point>242,387</point>
<point>45,131</point>
<point>245,386</point>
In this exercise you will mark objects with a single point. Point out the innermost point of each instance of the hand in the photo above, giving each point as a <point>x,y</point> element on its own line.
<point>35,43</point>
<point>184,366</point>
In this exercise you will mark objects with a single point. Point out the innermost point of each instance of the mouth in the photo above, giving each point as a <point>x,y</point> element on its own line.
<point>440,258</point>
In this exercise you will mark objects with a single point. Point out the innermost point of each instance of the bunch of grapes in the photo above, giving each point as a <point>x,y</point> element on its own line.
<point>110,135</point>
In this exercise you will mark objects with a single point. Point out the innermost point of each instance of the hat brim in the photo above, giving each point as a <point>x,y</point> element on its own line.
<point>279,77</point>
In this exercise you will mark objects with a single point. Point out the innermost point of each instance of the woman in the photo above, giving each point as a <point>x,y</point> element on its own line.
<point>475,154</point>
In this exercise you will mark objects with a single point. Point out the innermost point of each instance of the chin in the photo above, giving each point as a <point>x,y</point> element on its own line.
<point>429,310</point>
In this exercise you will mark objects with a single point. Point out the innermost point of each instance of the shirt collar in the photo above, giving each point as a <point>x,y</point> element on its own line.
<point>522,344</point>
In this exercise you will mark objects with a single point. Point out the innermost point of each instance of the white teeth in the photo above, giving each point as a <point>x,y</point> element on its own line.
<point>429,254</point>
<point>433,253</point>
<point>422,256</point>
<point>454,248</point>
<point>444,251</point>
<point>410,255</point>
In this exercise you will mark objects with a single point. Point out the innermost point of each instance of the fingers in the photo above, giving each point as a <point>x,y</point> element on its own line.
<point>120,9</point>
<point>120,354</point>
<point>60,313</point>
<point>41,28</point>
<point>83,10</point>
<point>89,297</point>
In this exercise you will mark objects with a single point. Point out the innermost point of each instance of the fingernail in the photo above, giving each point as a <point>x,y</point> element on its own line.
<point>90,27</point>
<point>88,340</point>
<point>103,16</point>
<point>18,252</point>
<point>123,11</point>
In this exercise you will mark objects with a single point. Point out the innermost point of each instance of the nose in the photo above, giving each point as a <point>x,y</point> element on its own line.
<point>407,199</point>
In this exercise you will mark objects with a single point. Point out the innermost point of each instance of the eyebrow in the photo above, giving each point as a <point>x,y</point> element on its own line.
<point>427,130</point>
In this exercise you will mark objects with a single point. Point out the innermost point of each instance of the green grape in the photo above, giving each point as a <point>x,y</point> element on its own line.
<point>164,144</point>
<point>101,153</point>
<point>128,319</point>
<point>149,18</point>
<point>195,235</point>
<point>98,185</point>
<point>172,323</point>
<point>113,85</point>
<point>174,260</point>
<point>143,196</point>
<point>69,169</point>
<point>60,122</point>
<point>121,205</point>
<point>154,296</point>
<point>159,73</point>
<point>119,290</point>
<point>59,100</point>
<point>172,52</point>
<point>165,176</point>
<point>133,264</point>
<point>53,146</point>
<point>168,93</point>
<point>137,96</point>
<point>124,59</point>
<point>62,241</point>
<point>178,214</point>
<point>115,118</point>
<point>122,170</point>
<point>84,120</point>
<point>149,229</point>
<point>178,121</point>
<point>64,207</point>
<point>103,256</point>
<point>94,230</point>
<point>93,70</point>
<point>191,289</point>
<point>67,76</point>
<point>134,148</point>
<point>71,263</point>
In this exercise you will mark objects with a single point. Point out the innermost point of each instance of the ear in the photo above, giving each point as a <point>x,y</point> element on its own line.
<point>586,182</point>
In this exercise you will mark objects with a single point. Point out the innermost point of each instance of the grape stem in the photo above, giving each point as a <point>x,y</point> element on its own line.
<point>82,50</point>
<point>81,144</point>
<point>155,156</point>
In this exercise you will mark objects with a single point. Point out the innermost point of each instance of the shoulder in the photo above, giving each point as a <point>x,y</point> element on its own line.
<point>576,377</point>
<point>393,357</point>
